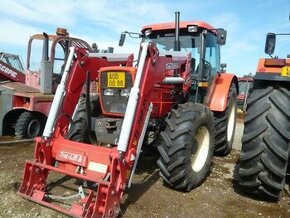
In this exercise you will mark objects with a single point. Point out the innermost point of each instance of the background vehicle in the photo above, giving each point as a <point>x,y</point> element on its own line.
<point>245,84</point>
<point>25,104</point>
<point>264,158</point>
<point>175,92</point>
<point>11,68</point>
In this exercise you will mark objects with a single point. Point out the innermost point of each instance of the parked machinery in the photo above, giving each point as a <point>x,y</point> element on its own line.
<point>11,68</point>
<point>25,103</point>
<point>175,90</point>
<point>245,85</point>
<point>264,158</point>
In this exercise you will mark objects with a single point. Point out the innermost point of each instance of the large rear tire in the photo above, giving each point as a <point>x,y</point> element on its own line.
<point>225,125</point>
<point>29,125</point>
<point>265,143</point>
<point>187,147</point>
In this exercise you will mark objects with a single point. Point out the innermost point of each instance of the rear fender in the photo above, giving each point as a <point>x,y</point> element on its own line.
<point>220,91</point>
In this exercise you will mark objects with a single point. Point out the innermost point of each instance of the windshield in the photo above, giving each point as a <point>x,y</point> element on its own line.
<point>189,42</point>
<point>12,60</point>
<point>165,42</point>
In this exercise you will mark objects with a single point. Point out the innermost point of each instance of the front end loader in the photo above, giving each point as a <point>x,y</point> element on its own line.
<point>94,139</point>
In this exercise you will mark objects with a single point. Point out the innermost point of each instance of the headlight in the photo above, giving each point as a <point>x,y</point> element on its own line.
<point>192,29</point>
<point>108,92</point>
<point>148,32</point>
<point>125,92</point>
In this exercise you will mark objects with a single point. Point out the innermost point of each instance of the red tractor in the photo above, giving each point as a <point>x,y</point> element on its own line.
<point>25,102</point>
<point>264,159</point>
<point>176,91</point>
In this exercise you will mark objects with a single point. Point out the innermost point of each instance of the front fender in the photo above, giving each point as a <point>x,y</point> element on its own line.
<point>220,91</point>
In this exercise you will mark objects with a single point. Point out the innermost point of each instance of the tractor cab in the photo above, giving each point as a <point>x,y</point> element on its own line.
<point>46,58</point>
<point>198,38</point>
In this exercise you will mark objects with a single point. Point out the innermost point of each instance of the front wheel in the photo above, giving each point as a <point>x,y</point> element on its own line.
<point>187,147</point>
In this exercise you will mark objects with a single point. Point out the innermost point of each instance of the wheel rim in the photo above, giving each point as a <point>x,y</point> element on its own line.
<point>231,123</point>
<point>33,128</point>
<point>198,159</point>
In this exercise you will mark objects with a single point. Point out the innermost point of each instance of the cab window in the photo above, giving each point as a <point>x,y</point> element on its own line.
<point>212,53</point>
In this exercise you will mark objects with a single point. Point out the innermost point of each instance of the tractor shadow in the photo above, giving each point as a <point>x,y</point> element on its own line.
<point>146,175</point>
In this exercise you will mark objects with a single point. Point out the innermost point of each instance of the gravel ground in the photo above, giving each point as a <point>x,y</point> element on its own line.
<point>148,196</point>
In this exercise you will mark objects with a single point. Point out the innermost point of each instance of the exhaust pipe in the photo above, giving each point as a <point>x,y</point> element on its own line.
<point>45,48</point>
<point>177,41</point>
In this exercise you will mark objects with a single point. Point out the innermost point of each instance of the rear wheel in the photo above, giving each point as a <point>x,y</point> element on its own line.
<point>187,146</point>
<point>225,124</point>
<point>29,125</point>
<point>265,144</point>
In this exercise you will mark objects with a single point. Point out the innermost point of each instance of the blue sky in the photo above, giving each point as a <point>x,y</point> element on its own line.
<point>101,21</point>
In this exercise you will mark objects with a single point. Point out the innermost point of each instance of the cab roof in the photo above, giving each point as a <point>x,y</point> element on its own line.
<point>182,25</point>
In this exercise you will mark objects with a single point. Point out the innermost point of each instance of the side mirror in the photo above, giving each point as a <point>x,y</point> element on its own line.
<point>270,43</point>
<point>122,39</point>
<point>223,66</point>
<point>221,36</point>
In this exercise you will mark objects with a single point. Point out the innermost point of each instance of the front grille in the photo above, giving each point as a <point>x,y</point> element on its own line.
<point>115,103</point>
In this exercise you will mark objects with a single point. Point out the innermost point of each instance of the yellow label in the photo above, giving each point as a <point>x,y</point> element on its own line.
<point>116,79</point>
<point>203,84</point>
<point>286,71</point>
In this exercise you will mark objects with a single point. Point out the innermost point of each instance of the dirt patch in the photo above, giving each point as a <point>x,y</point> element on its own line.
<point>148,196</point>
